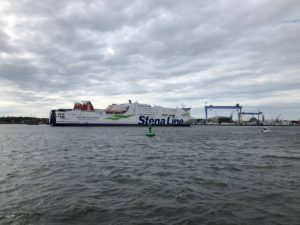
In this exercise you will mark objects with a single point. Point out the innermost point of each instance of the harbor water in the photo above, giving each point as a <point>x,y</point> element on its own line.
<point>117,175</point>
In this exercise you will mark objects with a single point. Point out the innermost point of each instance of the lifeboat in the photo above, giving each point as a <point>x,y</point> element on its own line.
<point>116,109</point>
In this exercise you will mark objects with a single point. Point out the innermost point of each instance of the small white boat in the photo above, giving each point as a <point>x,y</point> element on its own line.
<point>265,130</point>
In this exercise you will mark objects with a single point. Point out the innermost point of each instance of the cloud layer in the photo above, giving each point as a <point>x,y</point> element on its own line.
<point>158,52</point>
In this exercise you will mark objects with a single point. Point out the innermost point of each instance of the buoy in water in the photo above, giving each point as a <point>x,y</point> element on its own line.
<point>150,133</point>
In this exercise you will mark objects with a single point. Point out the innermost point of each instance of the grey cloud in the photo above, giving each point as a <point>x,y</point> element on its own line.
<point>18,71</point>
<point>5,46</point>
<point>113,48</point>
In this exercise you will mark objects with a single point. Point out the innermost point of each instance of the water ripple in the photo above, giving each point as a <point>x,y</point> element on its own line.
<point>195,175</point>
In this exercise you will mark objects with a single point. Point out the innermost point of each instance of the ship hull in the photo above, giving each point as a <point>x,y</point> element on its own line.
<point>113,125</point>
<point>135,115</point>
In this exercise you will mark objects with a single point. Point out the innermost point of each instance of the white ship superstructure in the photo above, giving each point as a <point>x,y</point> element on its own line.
<point>84,114</point>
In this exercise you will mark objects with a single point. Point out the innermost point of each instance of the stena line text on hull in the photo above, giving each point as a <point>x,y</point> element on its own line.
<point>168,121</point>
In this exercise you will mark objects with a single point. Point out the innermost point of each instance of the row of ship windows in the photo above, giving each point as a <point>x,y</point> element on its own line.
<point>61,115</point>
<point>144,109</point>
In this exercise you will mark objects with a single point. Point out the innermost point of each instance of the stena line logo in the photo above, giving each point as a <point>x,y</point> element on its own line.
<point>168,121</point>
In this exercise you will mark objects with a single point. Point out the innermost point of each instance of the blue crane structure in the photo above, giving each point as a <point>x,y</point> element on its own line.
<point>237,106</point>
<point>252,114</point>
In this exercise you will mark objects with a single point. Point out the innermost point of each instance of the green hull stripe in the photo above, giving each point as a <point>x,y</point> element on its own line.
<point>118,117</point>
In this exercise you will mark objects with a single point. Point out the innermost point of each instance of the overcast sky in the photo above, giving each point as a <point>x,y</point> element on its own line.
<point>53,53</point>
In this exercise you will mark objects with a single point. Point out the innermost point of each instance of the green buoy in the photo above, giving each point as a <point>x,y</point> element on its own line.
<point>150,133</point>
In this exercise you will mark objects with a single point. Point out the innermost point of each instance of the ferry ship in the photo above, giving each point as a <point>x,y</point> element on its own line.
<point>128,114</point>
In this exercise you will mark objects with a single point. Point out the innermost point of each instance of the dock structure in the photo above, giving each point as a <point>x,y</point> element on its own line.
<point>252,114</point>
<point>237,107</point>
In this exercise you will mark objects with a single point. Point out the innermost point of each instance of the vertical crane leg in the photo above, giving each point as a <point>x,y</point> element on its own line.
<point>205,115</point>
